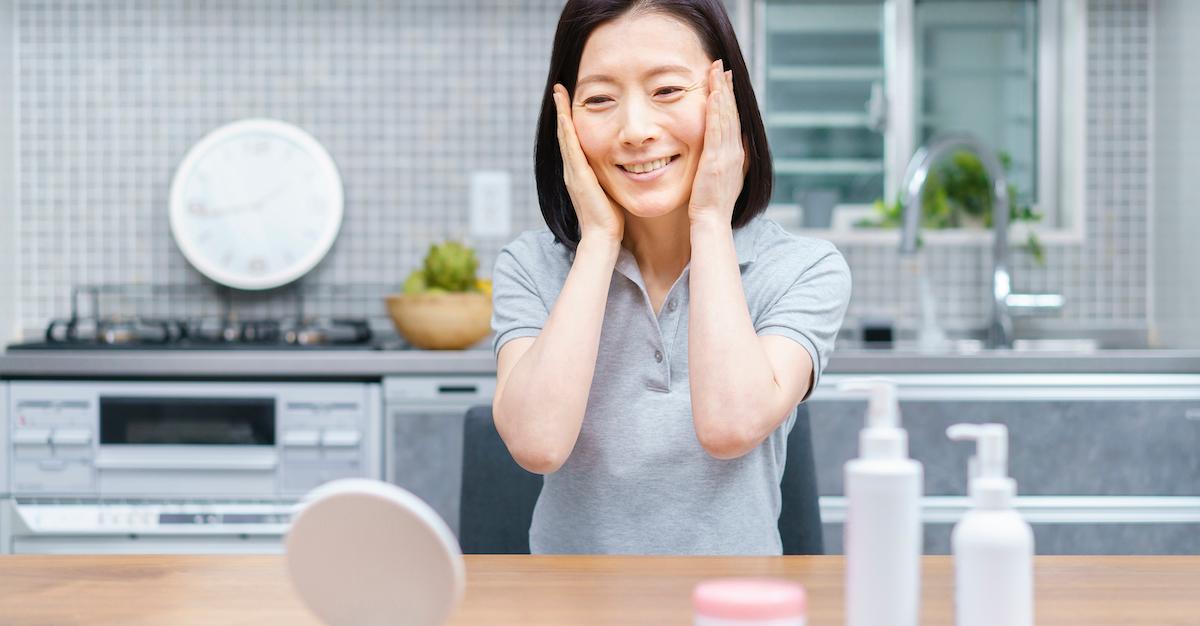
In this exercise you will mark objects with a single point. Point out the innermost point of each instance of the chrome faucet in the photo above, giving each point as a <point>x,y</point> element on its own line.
<point>1000,331</point>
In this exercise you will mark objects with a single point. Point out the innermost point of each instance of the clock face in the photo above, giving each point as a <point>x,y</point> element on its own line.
<point>256,204</point>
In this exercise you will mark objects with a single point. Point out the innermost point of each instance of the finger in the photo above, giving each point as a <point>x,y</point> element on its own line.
<point>716,105</point>
<point>737,118</point>
<point>730,107</point>
<point>712,124</point>
<point>570,143</point>
<point>726,119</point>
<point>558,105</point>
<point>562,102</point>
<point>563,123</point>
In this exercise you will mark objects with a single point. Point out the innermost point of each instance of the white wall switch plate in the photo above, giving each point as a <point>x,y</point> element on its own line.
<point>491,203</point>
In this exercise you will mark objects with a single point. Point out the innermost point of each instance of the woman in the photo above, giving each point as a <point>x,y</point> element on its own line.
<point>653,344</point>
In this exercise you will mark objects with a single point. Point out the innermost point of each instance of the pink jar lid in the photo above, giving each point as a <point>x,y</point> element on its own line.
<point>749,598</point>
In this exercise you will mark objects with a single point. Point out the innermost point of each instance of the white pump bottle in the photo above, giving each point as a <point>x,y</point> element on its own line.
<point>883,517</point>
<point>992,543</point>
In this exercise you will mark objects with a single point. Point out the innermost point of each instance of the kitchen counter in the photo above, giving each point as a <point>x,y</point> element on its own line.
<point>556,590</point>
<point>375,364</point>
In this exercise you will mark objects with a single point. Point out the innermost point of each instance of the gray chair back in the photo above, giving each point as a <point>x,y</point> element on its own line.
<point>498,495</point>
<point>496,505</point>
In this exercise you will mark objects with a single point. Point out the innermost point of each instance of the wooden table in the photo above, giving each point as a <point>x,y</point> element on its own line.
<point>560,591</point>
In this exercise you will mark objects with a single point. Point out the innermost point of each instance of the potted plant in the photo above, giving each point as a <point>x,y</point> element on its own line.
<point>958,194</point>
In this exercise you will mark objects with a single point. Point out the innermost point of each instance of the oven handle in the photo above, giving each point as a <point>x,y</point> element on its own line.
<point>266,464</point>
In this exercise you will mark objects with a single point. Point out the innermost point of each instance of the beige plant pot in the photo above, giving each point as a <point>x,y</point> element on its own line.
<point>441,321</point>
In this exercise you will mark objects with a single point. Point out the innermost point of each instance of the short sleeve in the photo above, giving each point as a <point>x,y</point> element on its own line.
<point>810,311</point>
<point>517,308</point>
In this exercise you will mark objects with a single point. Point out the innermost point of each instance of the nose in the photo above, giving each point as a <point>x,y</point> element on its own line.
<point>638,125</point>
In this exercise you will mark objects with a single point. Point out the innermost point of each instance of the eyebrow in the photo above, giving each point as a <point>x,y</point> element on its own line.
<point>661,69</point>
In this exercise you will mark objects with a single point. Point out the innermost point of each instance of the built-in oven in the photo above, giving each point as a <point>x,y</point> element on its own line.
<point>199,466</point>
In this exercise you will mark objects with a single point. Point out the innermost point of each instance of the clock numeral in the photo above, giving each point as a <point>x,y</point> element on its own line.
<point>227,258</point>
<point>258,265</point>
<point>197,207</point>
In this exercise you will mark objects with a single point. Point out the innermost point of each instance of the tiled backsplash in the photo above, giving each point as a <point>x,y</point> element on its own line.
<point>409,98</point>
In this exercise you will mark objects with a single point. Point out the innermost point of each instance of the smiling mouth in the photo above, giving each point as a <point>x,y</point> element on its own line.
<point>648,166</point>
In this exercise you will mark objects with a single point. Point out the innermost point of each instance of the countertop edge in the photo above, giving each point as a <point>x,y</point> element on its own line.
<point>358,364</point>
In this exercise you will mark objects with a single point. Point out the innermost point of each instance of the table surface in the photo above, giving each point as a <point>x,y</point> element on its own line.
<point>560,590</point>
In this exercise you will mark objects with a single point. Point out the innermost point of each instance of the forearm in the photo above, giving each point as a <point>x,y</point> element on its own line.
<point>540,410</point>
<point>733,386</point>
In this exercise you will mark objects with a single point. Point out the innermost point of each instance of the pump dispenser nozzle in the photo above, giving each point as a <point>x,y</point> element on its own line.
<point>987,469</point>
<point>882,438</point>
<point>992,543</point>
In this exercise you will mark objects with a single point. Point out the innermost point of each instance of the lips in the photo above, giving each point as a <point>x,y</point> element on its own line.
<point>647,170</point>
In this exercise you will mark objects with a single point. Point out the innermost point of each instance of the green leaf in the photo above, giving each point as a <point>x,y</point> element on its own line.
<point>1035,249</point>
<point>955,194</point>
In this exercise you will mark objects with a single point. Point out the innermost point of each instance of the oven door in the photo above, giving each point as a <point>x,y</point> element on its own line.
<point>187,445</point>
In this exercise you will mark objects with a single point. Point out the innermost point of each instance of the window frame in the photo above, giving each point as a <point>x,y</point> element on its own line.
<point>1061,123</point>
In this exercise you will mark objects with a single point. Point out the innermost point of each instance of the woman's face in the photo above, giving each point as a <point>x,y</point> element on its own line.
<point>639,108</point>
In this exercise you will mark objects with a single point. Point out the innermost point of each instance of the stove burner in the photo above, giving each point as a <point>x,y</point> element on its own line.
<point>114,331</point>
<point>207,332</point>
<point>326,331</point>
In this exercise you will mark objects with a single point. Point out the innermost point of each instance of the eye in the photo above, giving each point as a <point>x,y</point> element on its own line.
<point>668,91</point>
<point>594,100</point>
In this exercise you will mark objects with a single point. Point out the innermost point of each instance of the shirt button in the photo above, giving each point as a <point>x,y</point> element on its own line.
<point>671,305</point>
<point>658,356</point>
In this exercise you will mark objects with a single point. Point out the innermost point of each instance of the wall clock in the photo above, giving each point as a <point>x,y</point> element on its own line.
<point>256,204</point>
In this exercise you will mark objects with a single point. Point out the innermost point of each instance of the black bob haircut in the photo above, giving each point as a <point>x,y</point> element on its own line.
<point>710,22</point>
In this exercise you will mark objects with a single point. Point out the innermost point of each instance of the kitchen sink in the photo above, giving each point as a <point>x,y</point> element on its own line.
<point>969,342</point>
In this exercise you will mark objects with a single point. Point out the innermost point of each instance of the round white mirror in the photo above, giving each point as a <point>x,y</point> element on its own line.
<point>362,552</point>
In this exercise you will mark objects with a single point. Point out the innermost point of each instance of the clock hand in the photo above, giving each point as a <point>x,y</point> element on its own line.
<point>201,210</point>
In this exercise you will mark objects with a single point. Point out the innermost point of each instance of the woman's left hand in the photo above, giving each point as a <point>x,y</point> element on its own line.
<point>723,162</point>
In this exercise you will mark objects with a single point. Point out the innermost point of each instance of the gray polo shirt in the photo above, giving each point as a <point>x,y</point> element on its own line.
<point>638,481</point>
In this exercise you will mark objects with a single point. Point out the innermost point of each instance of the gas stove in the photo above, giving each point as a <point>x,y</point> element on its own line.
<point>90,327</point>
<point>204,333</point>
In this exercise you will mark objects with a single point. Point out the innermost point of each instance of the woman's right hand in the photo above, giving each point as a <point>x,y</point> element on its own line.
<point>599,216</point>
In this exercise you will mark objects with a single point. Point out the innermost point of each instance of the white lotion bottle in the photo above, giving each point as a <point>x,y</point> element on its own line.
<point>992,543</point>
<point>883,517</point>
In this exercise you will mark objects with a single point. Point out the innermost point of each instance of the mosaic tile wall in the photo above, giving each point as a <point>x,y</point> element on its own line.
<point>409,97</point>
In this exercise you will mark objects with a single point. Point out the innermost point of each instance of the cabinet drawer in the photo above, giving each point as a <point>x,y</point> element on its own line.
<point>1057,447</point>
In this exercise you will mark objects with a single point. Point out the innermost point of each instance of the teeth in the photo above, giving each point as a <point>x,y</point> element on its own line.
<point>642,168</point>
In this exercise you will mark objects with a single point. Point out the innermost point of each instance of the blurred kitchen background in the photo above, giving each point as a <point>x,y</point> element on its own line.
<point>1091,99</point>
<point>428,108</point>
